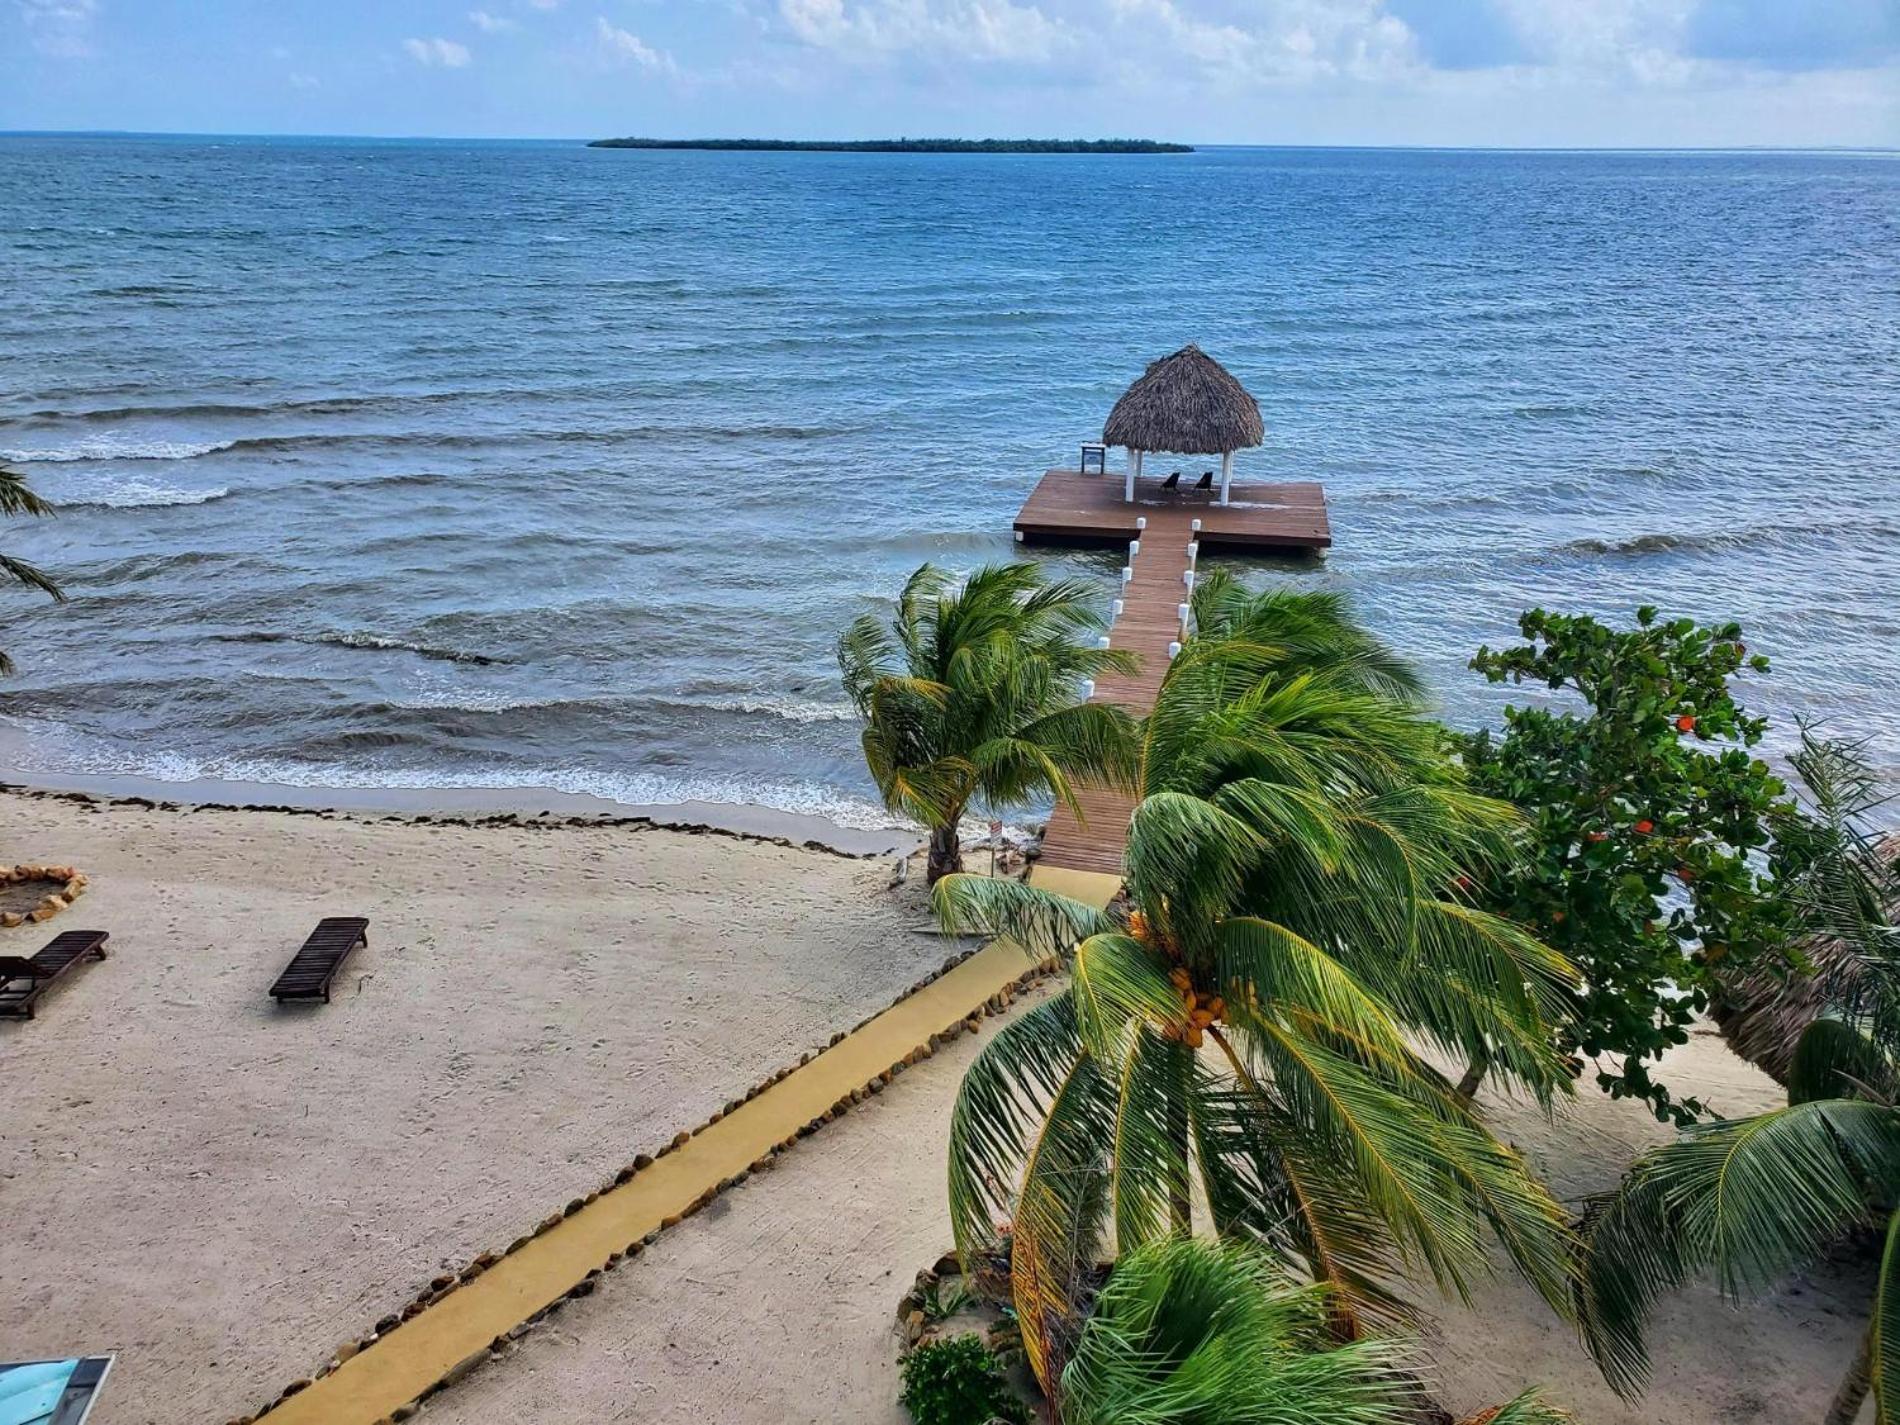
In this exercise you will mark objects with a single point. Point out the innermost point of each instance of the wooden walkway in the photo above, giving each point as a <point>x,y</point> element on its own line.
<point>1074,508</point>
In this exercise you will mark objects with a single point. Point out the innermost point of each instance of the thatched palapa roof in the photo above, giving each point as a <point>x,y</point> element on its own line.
<point>1189,404</point>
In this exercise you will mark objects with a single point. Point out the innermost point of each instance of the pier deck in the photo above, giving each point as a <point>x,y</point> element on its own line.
<point>1070,507</point>
<point>1076,508</point>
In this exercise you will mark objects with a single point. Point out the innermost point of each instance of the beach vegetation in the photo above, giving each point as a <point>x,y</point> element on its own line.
<point>1189,1330</point>
<point>1243,1028</point>
<point>971,698</point>
<point>17,498</point>
<point>902,145</point>
<point>1649,861</point>
<point>958,1381</point>
<point>1753,1199</point>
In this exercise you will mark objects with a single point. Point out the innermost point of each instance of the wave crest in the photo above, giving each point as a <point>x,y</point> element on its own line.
<point>116,447</point>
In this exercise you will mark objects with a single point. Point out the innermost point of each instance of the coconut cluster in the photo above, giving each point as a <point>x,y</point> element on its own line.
<point>71,883</point>
<point>1199,1010</point>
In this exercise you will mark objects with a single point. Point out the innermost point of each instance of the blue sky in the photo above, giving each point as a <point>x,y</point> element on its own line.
<point>1490,72</point>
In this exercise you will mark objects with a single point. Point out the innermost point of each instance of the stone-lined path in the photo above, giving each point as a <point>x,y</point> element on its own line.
<point>454,1333</point>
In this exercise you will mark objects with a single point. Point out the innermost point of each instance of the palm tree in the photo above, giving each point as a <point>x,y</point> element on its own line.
<point>1755,1198</point>
<point>1295,923</point>
<point>17,499</point>
<point>971,694</point>
<point>1192,1332</point>
<point>1189,1331</point>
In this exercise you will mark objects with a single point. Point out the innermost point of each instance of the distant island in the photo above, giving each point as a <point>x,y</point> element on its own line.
<point>906,145</point>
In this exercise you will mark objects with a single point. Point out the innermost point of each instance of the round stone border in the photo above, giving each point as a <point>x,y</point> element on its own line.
<point>71,883</point>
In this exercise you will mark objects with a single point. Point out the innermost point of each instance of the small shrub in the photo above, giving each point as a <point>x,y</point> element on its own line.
<point>958,1381</point>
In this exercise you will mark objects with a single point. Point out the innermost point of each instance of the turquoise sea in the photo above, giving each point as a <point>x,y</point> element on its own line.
<point>529,465</point>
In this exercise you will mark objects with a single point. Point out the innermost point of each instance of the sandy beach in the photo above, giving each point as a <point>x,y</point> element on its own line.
<point>713,1322</point>
<point>222,1191</point>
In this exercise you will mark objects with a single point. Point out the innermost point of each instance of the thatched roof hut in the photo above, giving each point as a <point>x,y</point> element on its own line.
<point>1188,404</point>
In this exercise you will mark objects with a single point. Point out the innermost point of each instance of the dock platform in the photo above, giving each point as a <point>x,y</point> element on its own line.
<point>1073,508</point>
<point>1069,507</point>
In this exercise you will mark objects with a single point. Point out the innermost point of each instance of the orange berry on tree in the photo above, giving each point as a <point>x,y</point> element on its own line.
<point>1645,826</point>
<point>1686,723</point>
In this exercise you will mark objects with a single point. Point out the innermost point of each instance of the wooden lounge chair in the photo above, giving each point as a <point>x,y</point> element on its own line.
<point>311,969</point>
<point>23,981</point>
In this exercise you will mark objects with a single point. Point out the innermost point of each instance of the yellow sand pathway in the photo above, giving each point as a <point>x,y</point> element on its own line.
<point>400,1366</point>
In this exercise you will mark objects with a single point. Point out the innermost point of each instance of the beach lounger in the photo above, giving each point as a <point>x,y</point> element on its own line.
<point>311,969</point>
<point>1171,481</point>
<point>1206,482</point>
<point>23,981</point>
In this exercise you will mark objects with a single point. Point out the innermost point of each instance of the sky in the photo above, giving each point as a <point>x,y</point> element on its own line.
<point>1503,73</point>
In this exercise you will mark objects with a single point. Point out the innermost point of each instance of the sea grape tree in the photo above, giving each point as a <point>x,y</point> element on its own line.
<point>1647,864</point>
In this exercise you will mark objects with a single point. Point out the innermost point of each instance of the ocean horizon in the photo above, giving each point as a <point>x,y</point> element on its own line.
<point>514,465</point>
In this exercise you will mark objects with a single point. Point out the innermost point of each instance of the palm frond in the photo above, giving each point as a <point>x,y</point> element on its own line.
<point>31,575</point>
<point>1189,1332</point>
<point>1119,983</point>
<point>1751,1197</point>
<point>1835,1059</point>
<point>1884,1330</point>
<point>1006,1089</point>
<point>1042,922</point>
<point>1149,1170</point>
<point>1061,1210</point>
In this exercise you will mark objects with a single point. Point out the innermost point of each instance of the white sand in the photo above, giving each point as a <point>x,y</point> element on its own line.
<point>223,1191</point>
<point>778,1305</point>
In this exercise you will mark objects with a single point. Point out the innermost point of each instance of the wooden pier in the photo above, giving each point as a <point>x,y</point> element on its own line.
<point>1071,508</point>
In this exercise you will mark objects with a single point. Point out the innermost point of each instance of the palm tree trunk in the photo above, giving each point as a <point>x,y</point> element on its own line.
<point>1844,1409</point>
<point>946,853</point>
<point>1474,1074</point>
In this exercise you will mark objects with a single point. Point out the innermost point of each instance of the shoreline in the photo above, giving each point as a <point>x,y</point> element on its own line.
<point>468,806</point>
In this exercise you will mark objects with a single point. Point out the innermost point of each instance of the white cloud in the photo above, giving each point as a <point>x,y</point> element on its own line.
<point>62,28</point>
<point>1287,40</point>
<point>438,53</point>
<point>974,29</point>
<point>489,24</point>
<point>625,47</point>
<point>305,81</point>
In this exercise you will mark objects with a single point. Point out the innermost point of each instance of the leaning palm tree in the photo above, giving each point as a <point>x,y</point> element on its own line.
<point>972,694</point>
<point>17,499</point>
<point>1246,1024</point>
<point>1756,1198</point>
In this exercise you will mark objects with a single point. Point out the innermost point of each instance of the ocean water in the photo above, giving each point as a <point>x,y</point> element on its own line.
<point>529,465</point>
